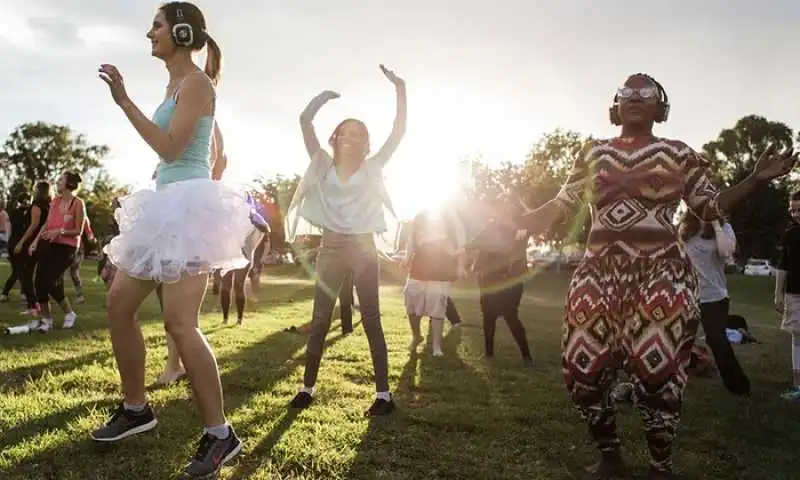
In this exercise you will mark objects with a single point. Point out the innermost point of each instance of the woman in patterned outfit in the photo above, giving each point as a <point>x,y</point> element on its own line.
<point>631,303</point>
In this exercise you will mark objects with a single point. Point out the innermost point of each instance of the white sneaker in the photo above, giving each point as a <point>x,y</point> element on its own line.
<point>45,325</point>
<point>437,352</point>
<point>69,320</point>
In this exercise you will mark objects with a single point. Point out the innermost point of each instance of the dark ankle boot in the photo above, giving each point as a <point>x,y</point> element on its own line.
<point>610,466</point>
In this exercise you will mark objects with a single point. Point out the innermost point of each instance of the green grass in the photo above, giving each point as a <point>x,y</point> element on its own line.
<point>459,417</point>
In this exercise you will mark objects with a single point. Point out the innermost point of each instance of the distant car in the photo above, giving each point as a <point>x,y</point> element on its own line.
<point>759,267</point>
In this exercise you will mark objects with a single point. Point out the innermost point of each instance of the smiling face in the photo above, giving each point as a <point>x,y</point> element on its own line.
<point>160,36</point>
<point>61,186</point>
<point>351,139</point>
<point>638,101</point>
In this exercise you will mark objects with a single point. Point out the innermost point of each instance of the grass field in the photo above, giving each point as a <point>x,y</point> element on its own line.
<point>458,417</point>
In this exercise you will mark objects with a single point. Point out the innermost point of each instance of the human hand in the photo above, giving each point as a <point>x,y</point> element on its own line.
<point>112,77</point>
<point>772,165</point>
<point>397,81</point>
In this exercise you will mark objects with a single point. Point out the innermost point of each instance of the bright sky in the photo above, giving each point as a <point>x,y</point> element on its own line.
<point>484,78</point>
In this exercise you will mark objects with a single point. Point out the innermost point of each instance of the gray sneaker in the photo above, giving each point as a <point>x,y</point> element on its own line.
<point>125,423</point>
<point>212,453</point>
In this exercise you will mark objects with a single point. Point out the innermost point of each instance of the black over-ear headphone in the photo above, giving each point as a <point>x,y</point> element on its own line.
<point>182,32</point>
<point>662,108</point>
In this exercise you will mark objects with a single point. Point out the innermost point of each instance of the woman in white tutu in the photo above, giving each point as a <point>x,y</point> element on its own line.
<point>165,236</point>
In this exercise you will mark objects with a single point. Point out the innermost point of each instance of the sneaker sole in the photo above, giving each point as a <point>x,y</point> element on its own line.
<point>129,433</point>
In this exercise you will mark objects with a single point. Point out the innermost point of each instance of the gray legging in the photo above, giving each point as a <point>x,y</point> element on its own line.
<point>339,255</point>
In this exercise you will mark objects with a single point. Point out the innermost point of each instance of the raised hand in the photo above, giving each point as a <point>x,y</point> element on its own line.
<point>773,165</point>
<point>392,76</point>
<point>112,77</point>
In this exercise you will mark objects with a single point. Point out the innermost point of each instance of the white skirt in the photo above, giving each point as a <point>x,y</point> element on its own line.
<point>193,227</point>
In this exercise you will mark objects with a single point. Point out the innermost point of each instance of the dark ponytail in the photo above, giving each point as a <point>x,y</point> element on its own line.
<point>213,60</point>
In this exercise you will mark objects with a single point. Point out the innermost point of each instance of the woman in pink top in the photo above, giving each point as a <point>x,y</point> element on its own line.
<point>55,248</point>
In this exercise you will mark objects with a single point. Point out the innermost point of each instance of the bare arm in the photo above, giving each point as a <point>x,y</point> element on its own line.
<point>398,128</point>
<point>307,121</point>
<point>220,160</point>
<point>196,95</point>
<point>725,239</point>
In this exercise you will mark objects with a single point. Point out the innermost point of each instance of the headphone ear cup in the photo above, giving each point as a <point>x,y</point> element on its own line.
<point>613,116</point>
<point>664,112</point>
<point>182,34</point>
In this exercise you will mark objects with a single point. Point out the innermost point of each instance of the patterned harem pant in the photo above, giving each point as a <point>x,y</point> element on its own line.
<point>640,315</point>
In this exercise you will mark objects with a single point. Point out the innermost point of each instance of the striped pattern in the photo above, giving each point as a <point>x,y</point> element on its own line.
<point>634,190</point>
<point>632,301</point>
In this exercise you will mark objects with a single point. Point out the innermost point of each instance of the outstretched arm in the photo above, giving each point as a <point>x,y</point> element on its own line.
<point>307,121</point>
<point>709,204</point>
<point>725,239</point>
<point>399,126</point>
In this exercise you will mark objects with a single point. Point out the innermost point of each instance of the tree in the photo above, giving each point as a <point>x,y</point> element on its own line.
<point>99,194</point>
<point>760,221</point>
<point>41,151</point>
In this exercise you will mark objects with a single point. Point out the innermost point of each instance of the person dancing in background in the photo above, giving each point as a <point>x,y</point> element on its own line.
<point>708,245</point>
<point>344,195</point>
<point>787,291</point>
<point>164,236</point>
<point>17,227</point>
<point>435,257</point>
<point>55,247</point>
<point>632,301</point>
<point>75,269</point>
<point>502,266</point>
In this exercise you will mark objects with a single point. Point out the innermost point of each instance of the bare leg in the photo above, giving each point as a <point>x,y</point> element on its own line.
<point>125,296</point>
<point>182,301</point>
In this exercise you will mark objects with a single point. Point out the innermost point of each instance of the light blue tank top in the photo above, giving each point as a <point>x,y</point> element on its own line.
<point>195,162</point>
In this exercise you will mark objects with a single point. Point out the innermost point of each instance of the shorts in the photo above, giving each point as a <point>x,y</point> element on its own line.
<point>426,298</point>
<point>791,313</point>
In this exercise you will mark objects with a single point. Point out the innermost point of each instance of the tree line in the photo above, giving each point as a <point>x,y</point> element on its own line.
<point>41,151</point>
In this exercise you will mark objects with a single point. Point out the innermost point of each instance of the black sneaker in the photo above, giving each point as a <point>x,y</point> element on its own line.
<point>125,423</point>
<point>212,454</point>
<point>302,400</point>
<point>380,407</point>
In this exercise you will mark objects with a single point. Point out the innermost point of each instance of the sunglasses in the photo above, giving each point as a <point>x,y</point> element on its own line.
<point>644,92</point>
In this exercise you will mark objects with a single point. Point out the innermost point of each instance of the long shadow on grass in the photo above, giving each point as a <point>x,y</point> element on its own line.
<point>429,434</point>
<point>257,368</point>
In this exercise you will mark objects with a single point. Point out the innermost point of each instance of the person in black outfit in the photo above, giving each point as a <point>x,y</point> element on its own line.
<point>502,266</point>
<point>17,219</point>
<point>35,217</point>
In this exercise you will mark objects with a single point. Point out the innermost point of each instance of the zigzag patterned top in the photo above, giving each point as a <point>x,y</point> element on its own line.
<point>634,188</point>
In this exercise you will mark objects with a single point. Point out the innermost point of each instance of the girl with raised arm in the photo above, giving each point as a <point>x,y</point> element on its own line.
<point>164,236</point>
<point>344,195</point>
<point>632,301</point>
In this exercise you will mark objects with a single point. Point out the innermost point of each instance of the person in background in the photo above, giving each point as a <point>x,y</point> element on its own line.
<point>55,248</point>
<point>17,228</point>
<point>5,225</point>
<point>35,217</point>
<point>502,266</point>
<point>88,241</point>
<point>787,291</point>
<point>709,245</point>
<point>435,256</point>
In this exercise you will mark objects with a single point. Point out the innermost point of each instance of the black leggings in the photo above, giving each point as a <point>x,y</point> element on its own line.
<point>53,259</point>
<point>714,316</point>
<point>504,303</point>
<point>16,270</point>
<point>234,280</point>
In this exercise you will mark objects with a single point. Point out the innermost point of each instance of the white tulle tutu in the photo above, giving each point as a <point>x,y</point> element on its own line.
<point>192,227</point>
